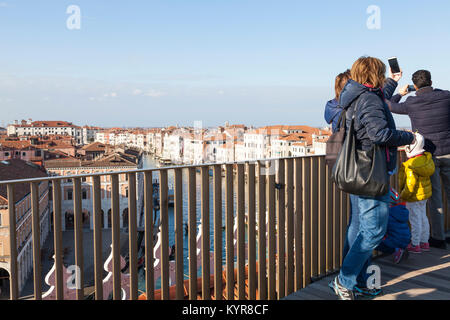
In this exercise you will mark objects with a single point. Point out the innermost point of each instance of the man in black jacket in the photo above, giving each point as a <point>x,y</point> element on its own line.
<point>429,112</point>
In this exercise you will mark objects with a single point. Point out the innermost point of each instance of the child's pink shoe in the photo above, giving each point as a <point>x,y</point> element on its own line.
<point>425,246</point>
<point>413,249</point>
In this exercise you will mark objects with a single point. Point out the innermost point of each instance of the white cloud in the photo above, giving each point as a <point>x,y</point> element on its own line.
<point>149,93</point>
<point>112,95</point>
<point>154,93</point>
<point>3,4</point>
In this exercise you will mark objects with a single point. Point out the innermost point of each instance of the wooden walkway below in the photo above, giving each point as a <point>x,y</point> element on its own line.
<point>424,276</point>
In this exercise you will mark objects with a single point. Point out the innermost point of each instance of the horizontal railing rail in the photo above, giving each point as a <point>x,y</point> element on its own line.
<point>99,174</point>
<point>285,224</point>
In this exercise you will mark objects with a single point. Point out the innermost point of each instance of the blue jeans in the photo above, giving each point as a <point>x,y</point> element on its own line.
<point>350,237</point>
<point>369,221</point>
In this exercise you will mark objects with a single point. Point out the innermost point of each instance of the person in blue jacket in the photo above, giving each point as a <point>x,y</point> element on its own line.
<point>332,109</point>
<point>374,124</point>
<point>332,114</point>
<point>398,234</point>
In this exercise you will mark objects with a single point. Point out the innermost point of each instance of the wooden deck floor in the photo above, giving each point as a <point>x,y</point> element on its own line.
<point>424,276</point>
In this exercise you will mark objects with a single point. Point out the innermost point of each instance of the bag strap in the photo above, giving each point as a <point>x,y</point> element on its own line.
<point>357,99</point>
<point>342,118</point>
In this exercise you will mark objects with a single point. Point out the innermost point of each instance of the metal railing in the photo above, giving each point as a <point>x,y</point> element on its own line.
<point>294,220</point>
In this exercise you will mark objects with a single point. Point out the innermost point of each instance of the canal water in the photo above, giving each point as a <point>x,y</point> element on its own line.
<point>150,163</point>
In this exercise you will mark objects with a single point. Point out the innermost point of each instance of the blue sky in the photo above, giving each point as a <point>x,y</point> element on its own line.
<point>161,62</point>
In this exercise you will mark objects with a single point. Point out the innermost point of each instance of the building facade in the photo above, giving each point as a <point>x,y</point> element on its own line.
<point>44,128</point>
<point>18,169</point>
<point>113,162</point>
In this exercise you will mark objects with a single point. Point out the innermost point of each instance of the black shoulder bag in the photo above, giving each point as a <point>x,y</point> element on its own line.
<point>360,172</point>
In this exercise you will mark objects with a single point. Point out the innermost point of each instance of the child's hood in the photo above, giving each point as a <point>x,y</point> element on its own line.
<point>422,165</point>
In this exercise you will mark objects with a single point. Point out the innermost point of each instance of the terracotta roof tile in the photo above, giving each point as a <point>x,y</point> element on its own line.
<point>17,169</point>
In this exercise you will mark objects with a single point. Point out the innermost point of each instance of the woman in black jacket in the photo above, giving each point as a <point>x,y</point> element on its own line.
<point>374,124</point>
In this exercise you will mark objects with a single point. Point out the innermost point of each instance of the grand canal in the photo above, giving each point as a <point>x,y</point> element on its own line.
<point>150,163</point>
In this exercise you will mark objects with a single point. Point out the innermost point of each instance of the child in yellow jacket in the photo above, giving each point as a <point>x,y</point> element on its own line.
<point>415,189</point>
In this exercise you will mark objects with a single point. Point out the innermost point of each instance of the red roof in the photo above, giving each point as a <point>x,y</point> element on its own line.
<point>17,169</point>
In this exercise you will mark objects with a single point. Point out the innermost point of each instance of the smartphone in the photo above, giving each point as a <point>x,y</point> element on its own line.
<point>393,63</point>
<point>411,88</point>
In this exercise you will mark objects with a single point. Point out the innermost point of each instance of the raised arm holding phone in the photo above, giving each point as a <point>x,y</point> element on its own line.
<point>429,112</point>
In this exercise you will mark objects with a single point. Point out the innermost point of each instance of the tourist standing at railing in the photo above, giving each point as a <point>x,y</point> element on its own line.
<point>374,124</point>
<point>332,109</point>
<point>332,114</point>
<point>429,112</point>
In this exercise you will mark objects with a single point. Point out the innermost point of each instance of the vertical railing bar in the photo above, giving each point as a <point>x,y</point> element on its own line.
<point>206,244</point>
<point>347,211</point>
<point>262,253</point>
<point>179,263</point>
<point>78,222</point>
<point>13,279</point>
<point>322,244</point>
<point>306,200</point>
<point>298,221</point>
<point>36,241</point>
<point>57,239</point>
<point>217,176</point>
<point>98,261</point>
<point>192,234</point>
<point>164,229</point>
<point>343,225</point>
<point>240,232</point>
<point>281,229</point>
<point>336,227</point>
<point>329,221</point>
<point>229,229</point>
<point>148,212</point>
<point>115,221</point>
<point>289,180</point>
<point>314,217</point>
<point>252,281</point>
<point>270,188</point>
<point>132,236</point>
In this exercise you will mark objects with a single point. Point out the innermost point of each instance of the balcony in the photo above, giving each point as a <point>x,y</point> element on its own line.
<point>266,230</point>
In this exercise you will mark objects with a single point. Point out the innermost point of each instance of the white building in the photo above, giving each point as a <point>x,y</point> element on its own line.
<point>89,134</point>
<point>226,152</point>
<point>299,149</point>
<point>257,142</point>
<point>282,146</point>
<point>44,128</point>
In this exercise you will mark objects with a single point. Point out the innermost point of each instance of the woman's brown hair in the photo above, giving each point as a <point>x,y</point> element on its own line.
<point>341,80</point>
<point>369,70</point>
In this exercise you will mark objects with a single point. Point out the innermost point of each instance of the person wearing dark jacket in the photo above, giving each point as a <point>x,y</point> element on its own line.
<point>333,110</point>
<point>332,115</point>
<point>374,124</point>
<point>429,111</point>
